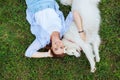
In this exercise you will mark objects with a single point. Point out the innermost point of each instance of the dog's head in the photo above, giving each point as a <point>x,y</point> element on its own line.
<point>73,51</point>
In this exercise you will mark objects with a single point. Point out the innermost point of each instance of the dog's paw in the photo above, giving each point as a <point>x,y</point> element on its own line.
<point>93,70</point>
<point>77,55</point>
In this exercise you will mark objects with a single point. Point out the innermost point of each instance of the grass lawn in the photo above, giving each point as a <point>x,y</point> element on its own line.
<point>15,37</point>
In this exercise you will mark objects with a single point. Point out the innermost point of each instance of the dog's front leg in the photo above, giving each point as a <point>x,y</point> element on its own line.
<point>87,49</point>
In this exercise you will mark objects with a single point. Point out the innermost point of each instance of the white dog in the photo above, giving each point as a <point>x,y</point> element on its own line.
<point>90,16</point>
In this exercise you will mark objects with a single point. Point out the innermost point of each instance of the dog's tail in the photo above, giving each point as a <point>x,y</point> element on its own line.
<point>95,1</point>
<point>66,2</point>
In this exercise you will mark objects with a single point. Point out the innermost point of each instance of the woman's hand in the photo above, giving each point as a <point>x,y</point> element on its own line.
<point>83,35</point>
<point>78,22</point>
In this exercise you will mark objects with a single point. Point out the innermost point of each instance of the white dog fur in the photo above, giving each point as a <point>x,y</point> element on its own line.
<point>90,15</point>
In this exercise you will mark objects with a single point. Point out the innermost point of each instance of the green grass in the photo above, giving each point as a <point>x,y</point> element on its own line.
<point>15,37</point>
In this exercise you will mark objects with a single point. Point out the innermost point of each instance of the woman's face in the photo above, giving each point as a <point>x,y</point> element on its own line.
<point>58,47</point>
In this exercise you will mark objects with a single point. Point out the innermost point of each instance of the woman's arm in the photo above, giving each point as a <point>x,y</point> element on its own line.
<point>78,22</point>
<point>42,54</point>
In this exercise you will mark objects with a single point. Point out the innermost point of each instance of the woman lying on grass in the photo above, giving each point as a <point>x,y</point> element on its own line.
<point>48,25</point>
<point>46,21</point>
